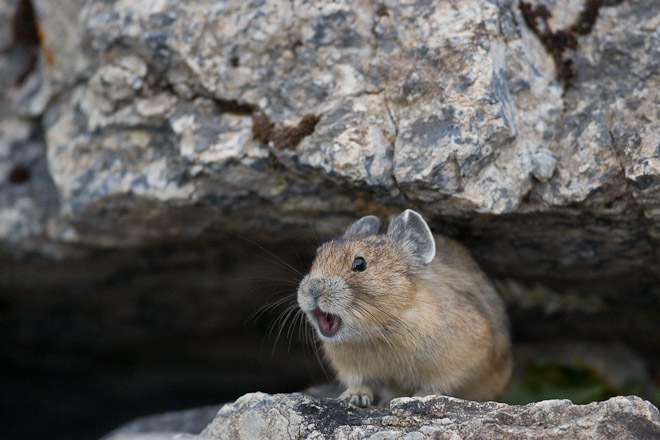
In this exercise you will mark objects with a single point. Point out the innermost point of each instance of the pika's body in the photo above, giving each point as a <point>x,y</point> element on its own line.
<point>406,313</point>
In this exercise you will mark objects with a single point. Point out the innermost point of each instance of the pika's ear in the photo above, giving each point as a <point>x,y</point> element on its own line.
<point>365,226</point>
<point>411,231</point>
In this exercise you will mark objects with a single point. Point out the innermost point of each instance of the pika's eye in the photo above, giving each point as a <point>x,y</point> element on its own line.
<point>359,265</point>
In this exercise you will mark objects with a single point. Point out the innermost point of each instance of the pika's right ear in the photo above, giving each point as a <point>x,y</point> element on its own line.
<point>365,226</point>
<point>413,234</point>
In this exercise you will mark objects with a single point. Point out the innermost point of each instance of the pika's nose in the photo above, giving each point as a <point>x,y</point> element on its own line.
<point>315,287</point>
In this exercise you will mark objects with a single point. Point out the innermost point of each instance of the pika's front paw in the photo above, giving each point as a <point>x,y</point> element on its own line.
<point>358,396</point>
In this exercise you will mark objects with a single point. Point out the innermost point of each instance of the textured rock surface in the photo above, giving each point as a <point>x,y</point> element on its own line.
<point>298,416</point>
<point>437,127</point>
<point>164,120</point>
<point>166,426</point>
<point>262,416</point>
<point>164,124</point>
<point>28,198</point>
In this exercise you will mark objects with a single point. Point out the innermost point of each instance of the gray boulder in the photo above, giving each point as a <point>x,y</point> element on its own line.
<point>270,115</point>
<point>297,416</point>
<point>262,416</point>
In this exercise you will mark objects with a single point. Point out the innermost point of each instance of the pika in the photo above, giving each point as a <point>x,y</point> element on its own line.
<point>406,313</point>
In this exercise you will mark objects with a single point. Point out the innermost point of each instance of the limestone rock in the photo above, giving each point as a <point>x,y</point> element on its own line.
<point>439,125</point>
<point>28,198</point>
<point>296,416</point>
<point>272,115</point>
<point>439,121</point>
<point>166,426</point>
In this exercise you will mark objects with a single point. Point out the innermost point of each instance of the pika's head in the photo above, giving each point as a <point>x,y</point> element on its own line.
<point>361,283</point>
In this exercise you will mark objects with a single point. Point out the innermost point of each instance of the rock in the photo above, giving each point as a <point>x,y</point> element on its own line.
<point>136,137</point>
<point>263,416</point>
<point>153,436</point>
<point>59,40</point>
<point>7,11</point>
<point>319,113</point>
<point>543,165</point>
<point>174,424</point>
<point>28,199</point>
<point>389,128</point>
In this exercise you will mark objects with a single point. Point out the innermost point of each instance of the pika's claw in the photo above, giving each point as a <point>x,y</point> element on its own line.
<point>358,396</point>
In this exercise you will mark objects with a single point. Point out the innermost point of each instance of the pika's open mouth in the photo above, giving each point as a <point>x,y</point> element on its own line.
<point>328,323</point>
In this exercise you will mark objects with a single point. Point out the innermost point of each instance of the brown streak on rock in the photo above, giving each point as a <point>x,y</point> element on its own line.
<point>235,107</point>
<point>262,127</point>
<point>557,42</point>
<point>48,53</point>
<point>290,137</point>
<point>587,17</point>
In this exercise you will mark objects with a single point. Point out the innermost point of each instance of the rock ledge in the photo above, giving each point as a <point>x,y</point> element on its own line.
<point>265,416</point>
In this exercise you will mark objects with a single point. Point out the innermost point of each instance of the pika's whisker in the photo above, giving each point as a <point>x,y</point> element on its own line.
<point>270,306</point>
<point>275,258</point>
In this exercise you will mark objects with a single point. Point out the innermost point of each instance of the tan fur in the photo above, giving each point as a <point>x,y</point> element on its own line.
<point>438,329</point>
